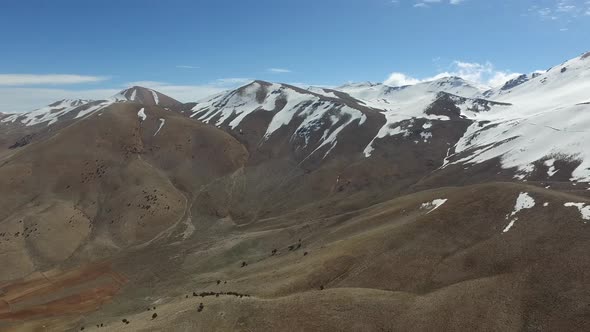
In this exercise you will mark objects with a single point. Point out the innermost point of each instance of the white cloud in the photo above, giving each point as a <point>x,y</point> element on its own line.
<point>427,3</point>
<point>51,79</point>
<point>483,74</point>
<point>562,10</point>
<point>187,67</point>
<point>500,77</point>
<point>400,79</point>
<point>279,70</point>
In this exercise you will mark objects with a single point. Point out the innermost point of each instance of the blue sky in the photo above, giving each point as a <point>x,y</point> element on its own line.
<point>189,49</point>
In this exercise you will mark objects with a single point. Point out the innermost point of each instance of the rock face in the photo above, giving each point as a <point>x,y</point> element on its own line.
<point>515,82</point>
<point>437,206</point>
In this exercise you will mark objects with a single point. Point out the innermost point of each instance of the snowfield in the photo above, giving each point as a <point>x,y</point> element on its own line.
<point>523,201</point>
<point>548,118</point>
<point>582,207</point>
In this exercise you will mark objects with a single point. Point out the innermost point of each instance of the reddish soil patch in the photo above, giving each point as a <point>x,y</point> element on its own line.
<point>70,292</point>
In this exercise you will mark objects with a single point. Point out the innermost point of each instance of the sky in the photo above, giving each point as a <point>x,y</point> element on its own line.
<point>55,49</point>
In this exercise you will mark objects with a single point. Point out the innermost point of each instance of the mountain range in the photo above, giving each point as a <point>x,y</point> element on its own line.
<point>436,206</point>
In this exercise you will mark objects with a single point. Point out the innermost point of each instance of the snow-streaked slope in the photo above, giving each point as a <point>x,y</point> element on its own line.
<point>413,101</point>
<point>549,119</point>
<point>50,114</point>
<point>316,112</point>
<point>561,86</point>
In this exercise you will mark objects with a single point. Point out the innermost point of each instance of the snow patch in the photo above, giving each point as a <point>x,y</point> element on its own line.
<point>431,206</point>
<point>523,201</point>
<point>582,207</point>
<point>162,122</point>
<point>426,136</point>
<point>156,98</point>
<point>551,164</point>
<point>141,114</point>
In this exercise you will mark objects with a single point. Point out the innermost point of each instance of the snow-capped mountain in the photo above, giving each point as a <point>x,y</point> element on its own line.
<point>526,122</point>
<point>312,120</point>
<point>52,113</point>
<point>548,120</point>
<point>78,108</point>
<point>409,97</point>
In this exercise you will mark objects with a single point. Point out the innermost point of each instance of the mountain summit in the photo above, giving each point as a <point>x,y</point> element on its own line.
<point>146,96</point>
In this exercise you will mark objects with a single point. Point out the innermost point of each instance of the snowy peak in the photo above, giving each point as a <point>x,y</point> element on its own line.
<point>311,121</point>
<point>146,96</point>
<point>232,107</point>
<point>69,103</point>
<point>565,84</point>
<point>453,85</point>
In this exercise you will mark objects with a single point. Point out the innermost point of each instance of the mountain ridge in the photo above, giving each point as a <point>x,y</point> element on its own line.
<point>443,210</point>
